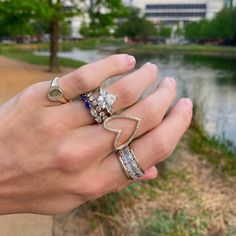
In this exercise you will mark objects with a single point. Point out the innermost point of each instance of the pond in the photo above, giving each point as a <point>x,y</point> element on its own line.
<point>209,81</point>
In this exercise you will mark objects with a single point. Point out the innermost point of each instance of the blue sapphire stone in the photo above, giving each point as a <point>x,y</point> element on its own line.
<point>84,97</point>
<point>87,104</point>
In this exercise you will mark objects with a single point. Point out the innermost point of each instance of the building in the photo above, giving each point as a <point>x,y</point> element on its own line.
<point>172,12</point>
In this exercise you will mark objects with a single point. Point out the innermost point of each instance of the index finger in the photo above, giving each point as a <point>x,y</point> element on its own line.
<point>91,76</point>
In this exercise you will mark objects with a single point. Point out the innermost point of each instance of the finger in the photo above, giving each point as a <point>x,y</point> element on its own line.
<point>150,174</point>
<point>128,91</point>
<point>91,76</point>
<point>96,142</point>
<point>159,143</point>
<point>153,147</point>
<point>85,78</point>
<point>150,110</point>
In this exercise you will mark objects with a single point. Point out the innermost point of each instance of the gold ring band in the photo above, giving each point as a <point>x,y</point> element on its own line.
<point>55,92</point>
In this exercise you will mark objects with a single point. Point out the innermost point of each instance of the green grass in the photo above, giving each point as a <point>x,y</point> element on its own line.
<point>217,150</point>
<point>204,50</point>
<point>164,223</point>
<point>29,57</point>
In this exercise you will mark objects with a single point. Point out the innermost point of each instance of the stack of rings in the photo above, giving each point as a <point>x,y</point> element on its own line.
<point>100,109</point>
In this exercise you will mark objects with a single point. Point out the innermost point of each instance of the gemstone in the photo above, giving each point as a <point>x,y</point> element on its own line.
<point>87,104</point>
<point>93,112</point>
<point>98,109</point>
<point>106,100</point>
<point>84,97</point>
<point>94,103</point>
<point>102,113</point>
<point>91,98</point>
<point>89,94</point>
<point>98,119</point>
<point>104,117</point>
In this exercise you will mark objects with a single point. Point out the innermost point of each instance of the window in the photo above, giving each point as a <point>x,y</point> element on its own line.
<point>175,14</point>
<point>175,6</point>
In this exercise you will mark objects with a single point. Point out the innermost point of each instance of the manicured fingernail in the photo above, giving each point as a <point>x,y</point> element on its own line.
<point>171,80</point>
<point>188,103</point>
<point>131,60</point>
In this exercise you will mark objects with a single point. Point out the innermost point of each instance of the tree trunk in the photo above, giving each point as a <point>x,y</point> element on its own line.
<point>54,33</point>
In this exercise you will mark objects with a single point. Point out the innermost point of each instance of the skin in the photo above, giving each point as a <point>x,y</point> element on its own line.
<point>54,157</point>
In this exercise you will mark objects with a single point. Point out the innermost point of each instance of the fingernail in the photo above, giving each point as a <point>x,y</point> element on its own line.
<point>188,103</point>
<point>171,80</point>
<point>131,60</point>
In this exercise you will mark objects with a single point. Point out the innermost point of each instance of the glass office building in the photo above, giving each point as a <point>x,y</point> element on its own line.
<point>176,11</point>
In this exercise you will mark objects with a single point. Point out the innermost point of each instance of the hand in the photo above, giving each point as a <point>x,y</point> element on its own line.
<point>54,157</point>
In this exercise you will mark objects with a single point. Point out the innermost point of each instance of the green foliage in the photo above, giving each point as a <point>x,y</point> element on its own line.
<point>136,26</point>
<point>163,223</point>
<point>222,26</point>
<point>216,150</point>
<point>164,32</point>
<point>17,17</point>
<point>102,14</point>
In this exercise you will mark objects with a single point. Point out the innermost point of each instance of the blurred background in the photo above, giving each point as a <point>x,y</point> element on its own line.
<point>193,41</point>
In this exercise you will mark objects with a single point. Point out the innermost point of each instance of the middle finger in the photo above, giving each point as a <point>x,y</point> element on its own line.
<point>128,91</point>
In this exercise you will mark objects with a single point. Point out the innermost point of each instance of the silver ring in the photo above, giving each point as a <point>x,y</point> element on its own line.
<point>130,164</point>
<point>101,107</point>
<point>55,92</point>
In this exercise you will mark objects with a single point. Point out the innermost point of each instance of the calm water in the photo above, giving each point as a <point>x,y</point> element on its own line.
<point>210,81</point>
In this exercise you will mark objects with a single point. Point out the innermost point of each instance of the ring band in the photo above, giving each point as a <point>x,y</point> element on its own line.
<point>55,92</point>
<point>130,164</point>
<point>101,107</point>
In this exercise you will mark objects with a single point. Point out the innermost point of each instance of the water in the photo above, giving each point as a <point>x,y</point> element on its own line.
<point>210,81</point>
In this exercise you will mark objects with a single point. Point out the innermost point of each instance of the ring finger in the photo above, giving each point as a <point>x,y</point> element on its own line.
<point>153,147</point>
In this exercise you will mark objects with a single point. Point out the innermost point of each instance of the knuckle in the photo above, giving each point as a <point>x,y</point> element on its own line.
<point>28,96</point>
<point>84,76</point>
<point>94,190</point>
<point>149,114</point>
<point>67,159</point>
<point>117,61</point>
<point>125,93</point>
<point>163,149</point>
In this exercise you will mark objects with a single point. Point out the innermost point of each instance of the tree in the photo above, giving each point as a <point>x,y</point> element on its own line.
<point>164,32</point>
<point>136,26</point>
<point>221,27</point>
<point>102,15</point>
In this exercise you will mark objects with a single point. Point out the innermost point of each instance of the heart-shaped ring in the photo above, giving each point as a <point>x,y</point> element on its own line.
<point>118,131</point>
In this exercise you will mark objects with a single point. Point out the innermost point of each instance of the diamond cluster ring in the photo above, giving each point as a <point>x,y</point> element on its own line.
<point>100,107</point>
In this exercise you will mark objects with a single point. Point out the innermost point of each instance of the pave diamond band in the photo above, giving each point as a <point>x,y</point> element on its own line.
<point>100,107</point>
<point>130,164</point>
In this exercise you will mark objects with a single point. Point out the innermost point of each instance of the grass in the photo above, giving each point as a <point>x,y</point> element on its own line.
<point>163,223</point>
<point>216,150</point>
<point>204,50</point>
<point>28,56</point>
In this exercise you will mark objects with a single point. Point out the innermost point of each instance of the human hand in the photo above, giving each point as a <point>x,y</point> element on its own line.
<point>54,157</point>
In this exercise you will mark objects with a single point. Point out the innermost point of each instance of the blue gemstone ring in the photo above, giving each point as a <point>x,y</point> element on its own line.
<point>99,107</point>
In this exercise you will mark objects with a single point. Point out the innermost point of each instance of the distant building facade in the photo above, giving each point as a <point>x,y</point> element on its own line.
<point>173,12</point>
